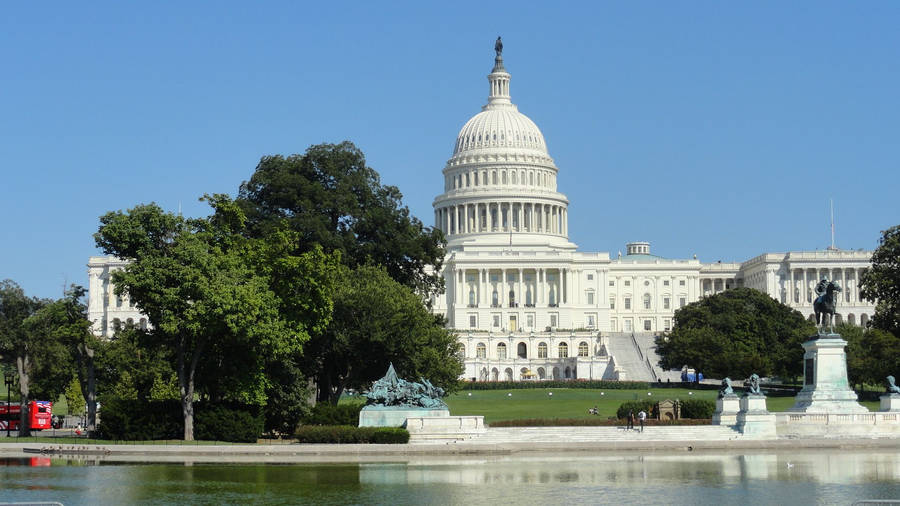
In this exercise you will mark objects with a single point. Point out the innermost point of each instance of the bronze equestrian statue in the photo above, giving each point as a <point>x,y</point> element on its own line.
<point>824,304</point>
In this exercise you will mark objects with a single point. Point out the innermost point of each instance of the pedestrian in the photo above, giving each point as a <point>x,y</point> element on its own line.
<point>642,416</point>
<point>630,420</point>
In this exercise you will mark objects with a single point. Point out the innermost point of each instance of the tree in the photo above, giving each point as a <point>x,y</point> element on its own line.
<point>378,321</point>
<point>130,367</point>
<point>62,327</point>
<point>737,333</point>
<point>208,303</point>
<point>37,358</point>
<point>882,282</point>
<point>331,198</point>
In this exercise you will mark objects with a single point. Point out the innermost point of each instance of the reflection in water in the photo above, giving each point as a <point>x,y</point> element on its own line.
<point>696,478</point>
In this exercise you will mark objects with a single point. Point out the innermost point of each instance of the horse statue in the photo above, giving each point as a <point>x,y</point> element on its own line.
<point>824,305</point>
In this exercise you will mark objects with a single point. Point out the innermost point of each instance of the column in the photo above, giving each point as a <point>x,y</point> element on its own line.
<point>520,293</point>
<point>521,213</point>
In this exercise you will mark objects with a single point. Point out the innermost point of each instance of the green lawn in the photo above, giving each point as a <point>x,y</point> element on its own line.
<point>564,403</point>
<point>498,405</point>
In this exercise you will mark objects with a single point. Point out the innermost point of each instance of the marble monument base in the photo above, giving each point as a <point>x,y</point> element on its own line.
<point>727,408</point>
<point>395,416</point>
<point>890,402</point>
<point>754,419</point>
<point>825,385</point>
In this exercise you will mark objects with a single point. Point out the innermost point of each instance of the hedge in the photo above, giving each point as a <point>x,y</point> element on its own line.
<point>134,420</point>
<point>347,434</point>
<point>591,384</point>
<point>697,408</point>
<point>325,413</point>
<point>588,422</point>
<point>647,406</point>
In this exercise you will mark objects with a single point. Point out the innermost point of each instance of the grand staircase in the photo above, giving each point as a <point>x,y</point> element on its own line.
<point>505,435</point>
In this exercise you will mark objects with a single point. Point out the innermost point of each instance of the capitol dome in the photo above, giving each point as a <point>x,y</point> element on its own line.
<point>500,131</point>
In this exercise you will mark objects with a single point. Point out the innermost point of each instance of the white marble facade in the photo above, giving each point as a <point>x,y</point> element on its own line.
<point>527,304</point>
<point>524,302</point>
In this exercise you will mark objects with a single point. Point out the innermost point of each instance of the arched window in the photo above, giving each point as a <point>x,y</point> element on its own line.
<point>495,301</point>
<point>542,374</point>
<point>542,350</point>
<point>563,350</point>
<point>495,374</point>
<point>480,350</point>
<point>130,322</point>
<point>501,350</point>
<point>461,352</point>
<point>556,373</point>
<point>508,373</point>
<point>471,296</point>
<point>483,376</point>
<point>522,350</point>
<point>583,349</point>
<point>646,301</point>
<point>117,325</point>
<point>503,176</point>
<point>513,176</point>
<point>143,324</point>
<point>494,177</point>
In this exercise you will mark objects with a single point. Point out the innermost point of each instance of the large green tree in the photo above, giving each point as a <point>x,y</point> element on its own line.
<point>62,328</point>
<point>872,354</point>
<point>129,366</point>
<point>331,198</point>
<point>881,282</point>
<point>41,360</point>
<point>737,333</point>
<point>208,302</point>
<point>378,321</point>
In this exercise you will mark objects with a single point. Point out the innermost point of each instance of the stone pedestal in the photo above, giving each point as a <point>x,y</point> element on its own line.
<point>754,419</point>
<point>727,408</point>
<point>825,385</point>
<point>890,402</point>
<point>395,416</point>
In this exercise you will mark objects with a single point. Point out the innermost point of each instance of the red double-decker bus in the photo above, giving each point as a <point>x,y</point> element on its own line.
<point>40,414</point>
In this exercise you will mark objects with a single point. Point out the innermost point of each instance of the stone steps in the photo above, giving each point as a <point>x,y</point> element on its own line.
<point>599,434</point>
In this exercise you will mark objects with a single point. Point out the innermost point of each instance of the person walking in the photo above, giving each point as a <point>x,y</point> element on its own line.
<point>630,420</point>
<point>642,416</point>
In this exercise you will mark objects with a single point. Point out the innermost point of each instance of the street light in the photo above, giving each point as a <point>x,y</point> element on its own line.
<point>8,381</point>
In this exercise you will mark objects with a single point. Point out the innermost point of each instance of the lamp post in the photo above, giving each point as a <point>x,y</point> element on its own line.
<point>8,381</point>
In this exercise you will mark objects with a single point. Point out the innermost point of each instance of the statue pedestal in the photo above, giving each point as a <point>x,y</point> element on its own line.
<point>727,408</point>
<point>395,416</point>
<point>754,419</point>
<point>890,402</point>
<point>825,385</point>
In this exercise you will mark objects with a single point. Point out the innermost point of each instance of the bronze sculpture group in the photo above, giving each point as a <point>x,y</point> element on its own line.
<point>825,303</point>
<point>394,391</point>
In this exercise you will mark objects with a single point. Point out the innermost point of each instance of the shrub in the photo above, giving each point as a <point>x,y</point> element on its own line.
<point>648,406</point>
<point>228,422</point>
<point>346,434</point>
<point>325,413</point>
<point>138,420</point>
<point>697,408</point>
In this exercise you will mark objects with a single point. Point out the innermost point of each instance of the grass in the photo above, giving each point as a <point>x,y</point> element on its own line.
<point>498,405</point>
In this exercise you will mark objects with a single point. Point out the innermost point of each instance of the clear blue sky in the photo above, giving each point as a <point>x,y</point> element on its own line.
<point>715,128</point>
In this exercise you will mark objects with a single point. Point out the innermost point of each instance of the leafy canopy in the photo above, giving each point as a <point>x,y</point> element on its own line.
<point>737,333</point>
<point>882,282</point>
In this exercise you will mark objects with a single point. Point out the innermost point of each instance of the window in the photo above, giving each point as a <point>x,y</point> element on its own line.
<point>627,282</point>
<point>666,283</point>
<point>627,302</point>
<point>590,297</point>
<point>473,321</point>
<point>542,350</point>
<point>646,283</point>
<point>143,324</point>
<point>118,301</point>
<point>647,324</point>
<point>667,324</point>
<point>628,325</point>
<point>682,302</point>
<point>496,321</point>
<point>529,321</point>
<point>461,352</point>
<point>591,320</point>
<point>612,283</point>
<point>613,324</point>
<point>583,349</point>
<point>612,302</point>
<point>590,277</point>
<point>665,303</point>
<point>480,351</point>
<point>501,350</point>
<point>680,282</point>
<point>646,301</point>
<point>553,320</point>
<point>563,350</point>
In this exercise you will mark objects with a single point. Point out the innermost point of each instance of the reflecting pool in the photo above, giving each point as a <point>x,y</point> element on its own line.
<point>696,478</point>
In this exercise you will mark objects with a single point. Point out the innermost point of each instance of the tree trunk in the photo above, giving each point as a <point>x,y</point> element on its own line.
<point>88,383</point>
<point>23,365</point>
<point>186,389</point>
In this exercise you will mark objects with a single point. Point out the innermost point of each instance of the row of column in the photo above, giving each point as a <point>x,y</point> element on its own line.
<point>549,286</point>
<point>716,285</point>
<point>848,278</point>
<point>503,217</point>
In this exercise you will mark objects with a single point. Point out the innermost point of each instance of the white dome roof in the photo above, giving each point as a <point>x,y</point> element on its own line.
<point>500,128</point>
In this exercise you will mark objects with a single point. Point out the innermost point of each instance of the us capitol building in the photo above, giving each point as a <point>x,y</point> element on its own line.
<point>523,301</point>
